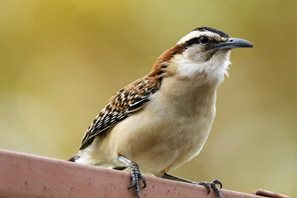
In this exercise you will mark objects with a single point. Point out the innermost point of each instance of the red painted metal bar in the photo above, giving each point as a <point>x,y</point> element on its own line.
<point>29,176</point>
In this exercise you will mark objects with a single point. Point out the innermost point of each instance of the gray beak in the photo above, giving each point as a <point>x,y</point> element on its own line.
<point>231,43</point>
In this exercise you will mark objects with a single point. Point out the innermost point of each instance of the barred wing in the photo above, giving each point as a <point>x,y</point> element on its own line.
<point>127,101</point>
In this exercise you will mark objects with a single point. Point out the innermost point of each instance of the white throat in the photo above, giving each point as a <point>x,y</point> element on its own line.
<point>213,70</point>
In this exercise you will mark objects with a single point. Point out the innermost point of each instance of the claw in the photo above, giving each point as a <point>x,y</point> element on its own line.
<point>215,185</point>
<point>136,176</point>
<point>217,182</point>
<point>206,185</point>
<point>136,179</point>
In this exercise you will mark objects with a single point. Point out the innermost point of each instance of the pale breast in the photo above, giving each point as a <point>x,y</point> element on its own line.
<point>170,130</point>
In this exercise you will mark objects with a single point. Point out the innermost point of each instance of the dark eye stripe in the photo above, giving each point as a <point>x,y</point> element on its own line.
<point>197,40</point>
<point>192,42</point>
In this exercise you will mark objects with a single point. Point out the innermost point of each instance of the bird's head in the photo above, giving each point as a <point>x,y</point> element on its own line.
<point>204,52</point>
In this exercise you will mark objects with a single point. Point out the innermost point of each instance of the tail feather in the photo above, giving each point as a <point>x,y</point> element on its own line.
<point>74,158</point>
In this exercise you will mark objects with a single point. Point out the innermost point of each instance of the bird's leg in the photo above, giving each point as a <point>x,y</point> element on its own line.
<point>136,176</point>
<point>215,185</point>
<point>171,177</point>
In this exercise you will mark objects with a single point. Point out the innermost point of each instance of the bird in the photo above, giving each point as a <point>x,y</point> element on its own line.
<point>163,119</point>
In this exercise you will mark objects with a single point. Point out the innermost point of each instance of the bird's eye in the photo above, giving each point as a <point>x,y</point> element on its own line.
<point>204,40</point>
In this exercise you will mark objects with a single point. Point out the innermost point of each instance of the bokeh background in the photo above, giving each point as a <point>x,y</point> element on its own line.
<point>61,60</point>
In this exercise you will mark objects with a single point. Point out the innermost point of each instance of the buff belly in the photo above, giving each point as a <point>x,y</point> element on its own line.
<point>161,136</point>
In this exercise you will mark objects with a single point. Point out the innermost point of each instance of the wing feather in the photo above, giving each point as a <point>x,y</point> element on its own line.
<point>126,102</point>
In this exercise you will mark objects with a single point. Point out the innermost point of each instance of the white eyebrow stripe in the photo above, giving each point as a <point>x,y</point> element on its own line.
<point>195,34</point>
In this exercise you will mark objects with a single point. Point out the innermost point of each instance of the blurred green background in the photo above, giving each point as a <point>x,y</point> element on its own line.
<point>61,60</point>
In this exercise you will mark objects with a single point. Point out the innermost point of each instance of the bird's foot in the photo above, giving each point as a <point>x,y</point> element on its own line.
<point>136,176</point>
<point>215,185</point>
<point>136,179</point>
